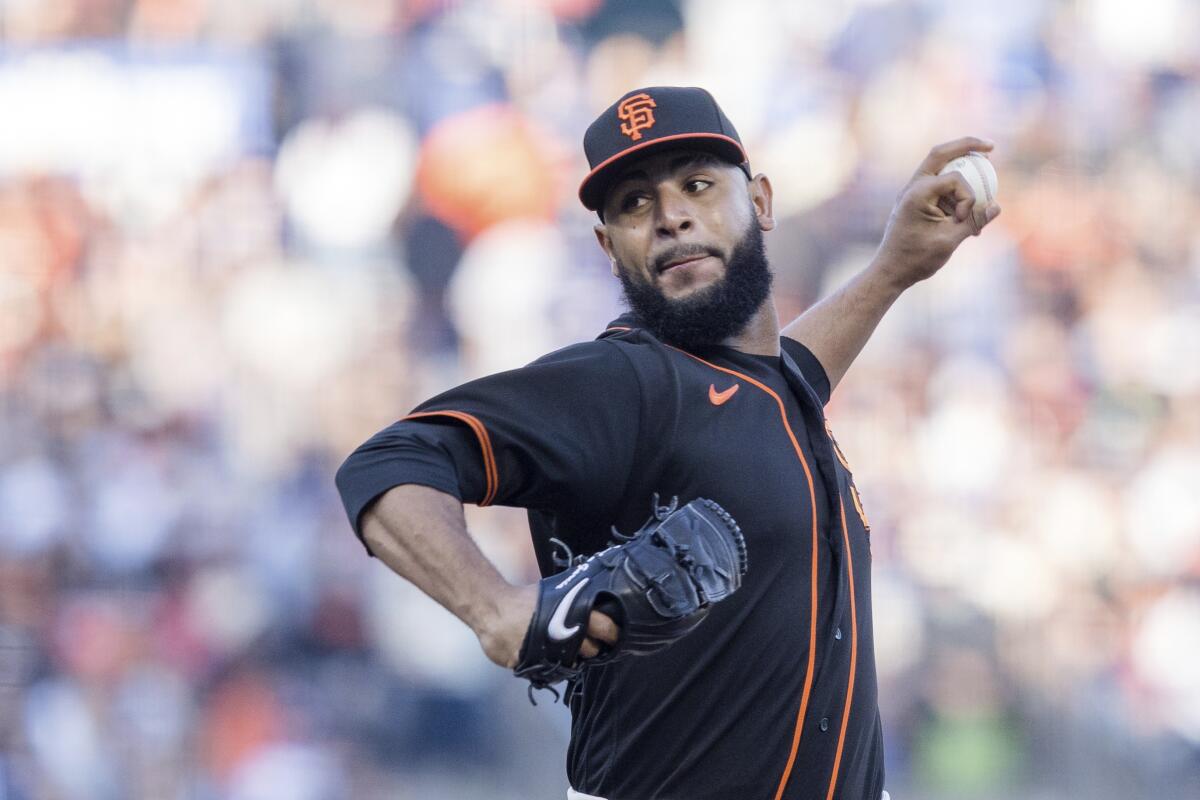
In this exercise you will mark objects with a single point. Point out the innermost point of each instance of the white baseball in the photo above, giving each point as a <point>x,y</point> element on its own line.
<point>979,174</point>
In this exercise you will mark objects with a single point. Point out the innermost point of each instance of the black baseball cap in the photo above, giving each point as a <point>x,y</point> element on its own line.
<point>656,118</point>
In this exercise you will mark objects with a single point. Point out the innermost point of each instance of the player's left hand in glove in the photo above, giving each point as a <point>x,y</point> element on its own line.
<point>657,585</point>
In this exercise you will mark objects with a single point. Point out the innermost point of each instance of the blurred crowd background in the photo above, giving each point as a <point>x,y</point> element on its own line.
<point>237,237</point>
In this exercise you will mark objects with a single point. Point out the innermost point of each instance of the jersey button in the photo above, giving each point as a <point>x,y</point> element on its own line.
<point>824,724</point>
<point>837,634</point>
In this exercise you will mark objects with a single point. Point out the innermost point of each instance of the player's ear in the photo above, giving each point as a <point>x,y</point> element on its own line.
<point>606,245</point>
<point>762,198</point>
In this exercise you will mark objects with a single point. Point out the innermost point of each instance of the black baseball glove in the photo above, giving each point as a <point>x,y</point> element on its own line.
<point>657,585</point>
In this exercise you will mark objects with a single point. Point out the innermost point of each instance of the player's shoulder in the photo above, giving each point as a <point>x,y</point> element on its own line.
<point>619,344</point>
<point>627,335</point>
<point>623,355</point>
<point>593,355</point>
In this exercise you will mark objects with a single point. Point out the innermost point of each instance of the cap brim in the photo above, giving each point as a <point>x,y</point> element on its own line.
<point>598,181</point>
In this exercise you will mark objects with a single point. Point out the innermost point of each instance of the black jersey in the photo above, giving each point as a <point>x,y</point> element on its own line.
<point>774,696</point>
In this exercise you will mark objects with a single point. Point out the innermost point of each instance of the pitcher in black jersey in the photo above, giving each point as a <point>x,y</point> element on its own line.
<point>695,392</point>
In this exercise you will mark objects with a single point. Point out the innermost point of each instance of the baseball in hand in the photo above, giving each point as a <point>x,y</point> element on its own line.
<point>979,174</point>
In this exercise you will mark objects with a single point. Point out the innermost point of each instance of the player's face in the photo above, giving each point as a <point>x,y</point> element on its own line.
<point>673,219</point>
<point>685,234</point>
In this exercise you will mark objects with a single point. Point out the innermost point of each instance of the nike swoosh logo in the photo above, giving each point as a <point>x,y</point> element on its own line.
<point>557,629</point>
<point>718,398</point>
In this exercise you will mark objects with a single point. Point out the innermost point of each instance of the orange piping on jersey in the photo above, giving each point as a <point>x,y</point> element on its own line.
<point>617,328</point>
<point>837,759</point>
<point>853,492</point>
<point>837,450</point>
<point>858,507</point>
<point>812,634</point>
<point>485,444</point>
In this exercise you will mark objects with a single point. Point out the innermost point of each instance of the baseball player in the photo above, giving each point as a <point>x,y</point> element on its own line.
<point>695,395</point>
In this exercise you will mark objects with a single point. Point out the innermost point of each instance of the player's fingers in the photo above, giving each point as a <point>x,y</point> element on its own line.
<point>963,208</point>
<point>978,218</point>
<point>602,628</point>
<point>953,190</point>
<point>944,153</point>
<point>946,206</point>
<point>588,649</point>
<point>985,214</point>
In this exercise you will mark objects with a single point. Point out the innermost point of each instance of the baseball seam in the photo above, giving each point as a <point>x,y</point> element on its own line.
<point>987,190</point>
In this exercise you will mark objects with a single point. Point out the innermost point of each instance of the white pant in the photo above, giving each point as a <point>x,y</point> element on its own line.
<point>574,795</point>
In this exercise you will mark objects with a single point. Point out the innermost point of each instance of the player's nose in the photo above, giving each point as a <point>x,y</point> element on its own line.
<point>673,213</point>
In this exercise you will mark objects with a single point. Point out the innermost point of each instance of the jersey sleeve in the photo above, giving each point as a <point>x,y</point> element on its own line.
<point>558,433</point>
<point>810,367</point>
<point>442,457</point>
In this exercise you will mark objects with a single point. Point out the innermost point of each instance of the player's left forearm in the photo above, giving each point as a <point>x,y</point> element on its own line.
<point>837,328</point>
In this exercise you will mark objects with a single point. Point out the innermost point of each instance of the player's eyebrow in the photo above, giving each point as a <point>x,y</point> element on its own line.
<point>673,166</point>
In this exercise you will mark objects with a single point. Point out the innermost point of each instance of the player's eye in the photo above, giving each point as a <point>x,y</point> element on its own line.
<point>697,184</point>
<point>634,200</point>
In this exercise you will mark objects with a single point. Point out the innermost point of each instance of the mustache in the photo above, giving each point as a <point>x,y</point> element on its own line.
<point>683,252</point>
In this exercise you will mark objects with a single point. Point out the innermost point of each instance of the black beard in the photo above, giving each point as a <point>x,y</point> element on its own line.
<point>710,315</point>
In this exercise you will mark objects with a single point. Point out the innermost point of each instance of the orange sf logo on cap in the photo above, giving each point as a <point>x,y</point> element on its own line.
<point>635,110</point>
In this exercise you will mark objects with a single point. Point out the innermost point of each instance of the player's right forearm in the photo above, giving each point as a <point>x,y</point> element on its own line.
<point>421,534</point>
<point>836,329</point>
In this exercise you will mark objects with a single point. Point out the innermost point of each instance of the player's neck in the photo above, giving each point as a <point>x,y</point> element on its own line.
<point>761,335</point>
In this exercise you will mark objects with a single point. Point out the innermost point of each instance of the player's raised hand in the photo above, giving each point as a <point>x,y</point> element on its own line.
<point>933,215</point>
